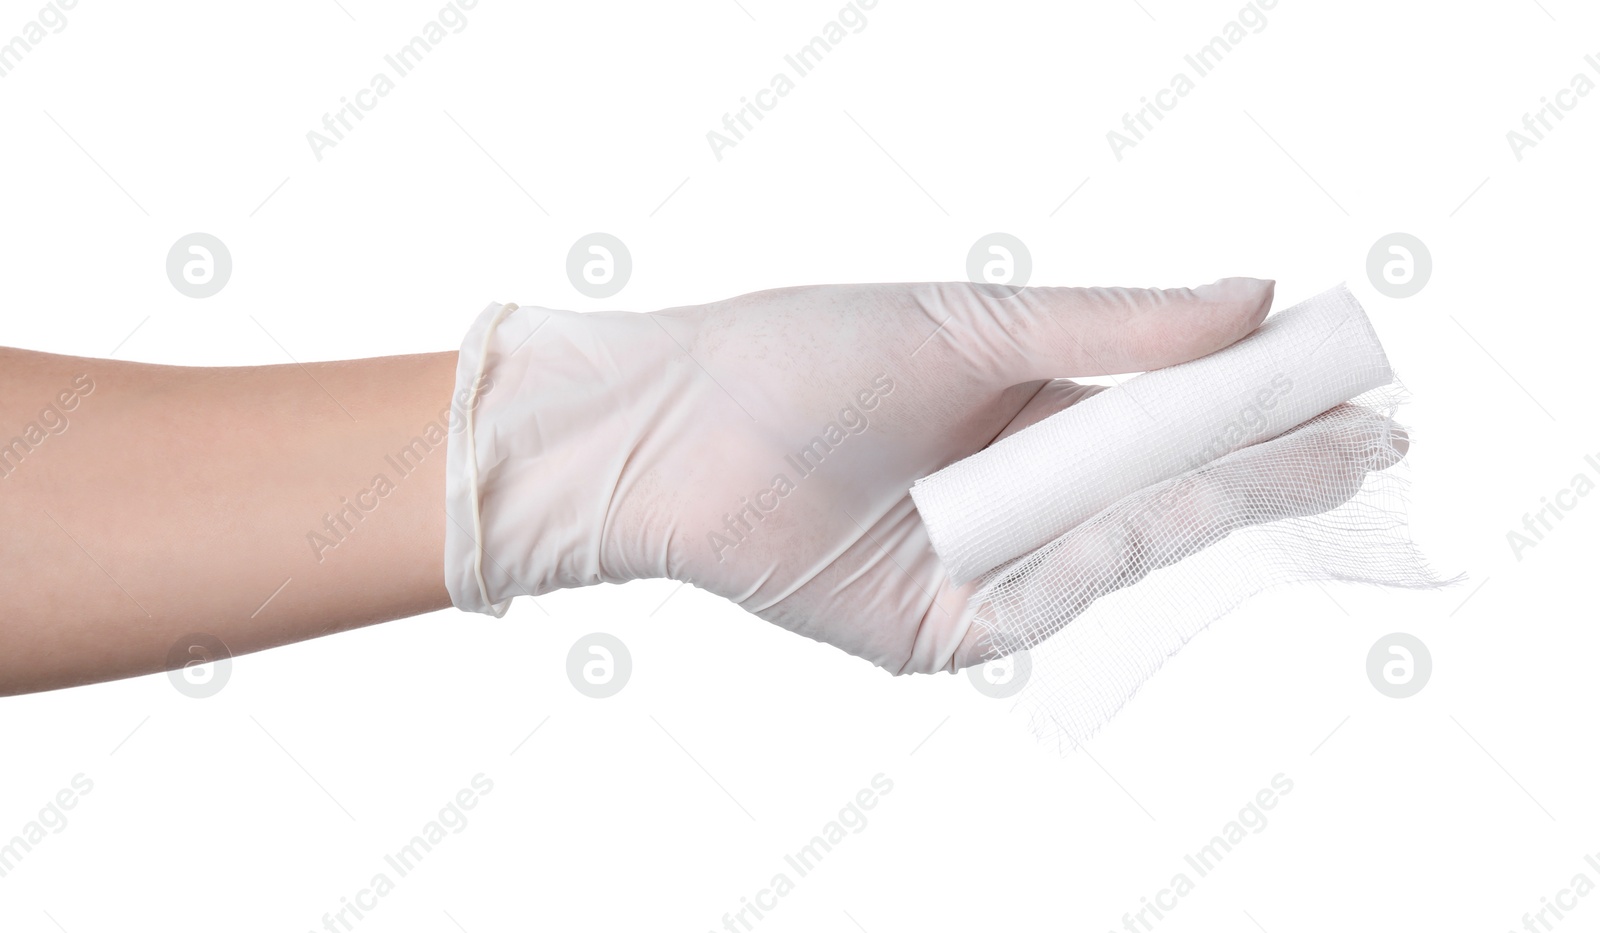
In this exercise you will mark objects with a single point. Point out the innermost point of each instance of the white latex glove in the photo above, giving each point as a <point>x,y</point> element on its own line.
<point>762,447</point>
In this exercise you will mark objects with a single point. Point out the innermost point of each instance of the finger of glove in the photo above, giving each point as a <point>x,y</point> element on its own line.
<point>1005,335</point>
<point>1053,397</point>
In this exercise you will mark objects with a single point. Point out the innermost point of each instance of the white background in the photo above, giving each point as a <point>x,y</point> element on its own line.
<point>735,742</point>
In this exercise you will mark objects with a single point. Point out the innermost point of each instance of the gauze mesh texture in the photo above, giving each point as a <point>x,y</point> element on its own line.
<point>1133,568</point>
<point>1026,489</point>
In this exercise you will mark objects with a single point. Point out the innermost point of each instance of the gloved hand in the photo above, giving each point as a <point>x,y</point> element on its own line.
<point>762,447</point>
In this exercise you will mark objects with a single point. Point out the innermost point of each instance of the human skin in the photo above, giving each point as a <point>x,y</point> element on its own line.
<point>178,500</point>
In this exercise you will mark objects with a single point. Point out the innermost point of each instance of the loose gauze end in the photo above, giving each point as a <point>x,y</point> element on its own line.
<point>1273,460</point>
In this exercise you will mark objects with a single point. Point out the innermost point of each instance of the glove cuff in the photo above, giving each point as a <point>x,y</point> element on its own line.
<point>533,456</point>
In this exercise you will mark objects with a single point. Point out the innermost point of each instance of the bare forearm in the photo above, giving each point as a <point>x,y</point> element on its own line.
<point>262,505</point>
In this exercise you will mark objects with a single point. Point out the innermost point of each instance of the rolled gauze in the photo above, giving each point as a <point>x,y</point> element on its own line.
<point>1030,488</point>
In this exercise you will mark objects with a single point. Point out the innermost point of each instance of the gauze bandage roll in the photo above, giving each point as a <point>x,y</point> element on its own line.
<point>1110,534</point>
<point>1035,485</point>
